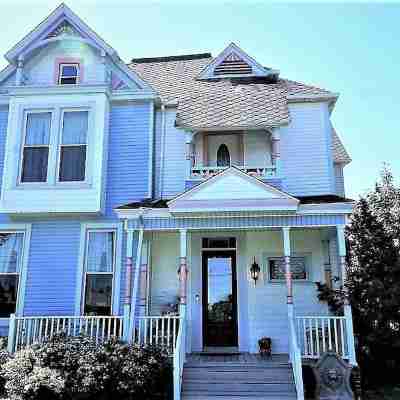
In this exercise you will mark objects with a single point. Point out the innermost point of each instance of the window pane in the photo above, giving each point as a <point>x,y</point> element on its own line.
<point>10,252</point>
<point>72,164</point>
<point>8,294</point>
<point>75,127</point>
<point>69,70</point>
<point>34,168</point>
<point>98,294</point>
<point>38,128</point>
<point>100,252</point>
<point>297,267</point>
<point>68,81</point>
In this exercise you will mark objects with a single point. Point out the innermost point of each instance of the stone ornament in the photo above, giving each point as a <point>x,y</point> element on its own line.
<point>332,375</point>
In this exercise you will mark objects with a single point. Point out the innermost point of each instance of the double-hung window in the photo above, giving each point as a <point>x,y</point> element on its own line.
<point>11,247</point>
<point>36,147</point>
<point>73,146</point>
<point>68,74</point>
<point>99,272</point>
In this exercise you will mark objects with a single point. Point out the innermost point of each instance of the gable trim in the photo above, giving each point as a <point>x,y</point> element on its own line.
<point>257,69</point>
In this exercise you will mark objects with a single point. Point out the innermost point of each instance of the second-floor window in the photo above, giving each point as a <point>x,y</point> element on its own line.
<point>223,156</point>
<point>73,146</point>
<point>36,147</point>
<point>55,146</point>
<point>69,74</point>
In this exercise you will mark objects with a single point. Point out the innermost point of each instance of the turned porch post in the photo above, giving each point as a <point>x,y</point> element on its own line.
<point>144,268</point>
<point>276,152</point>
<point>347,307</point>
<point>183,272</point>
<point>190,154</point>
<point>288,272</point>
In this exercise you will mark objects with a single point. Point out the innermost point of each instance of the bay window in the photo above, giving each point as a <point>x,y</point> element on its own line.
<point>36,147</point>
<point>11,246</point>
<point>99,272</point>
<point>73,146</point>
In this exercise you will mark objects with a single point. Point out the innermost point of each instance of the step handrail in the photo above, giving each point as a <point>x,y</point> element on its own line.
<point>179,354</point>
<point>295,358</point>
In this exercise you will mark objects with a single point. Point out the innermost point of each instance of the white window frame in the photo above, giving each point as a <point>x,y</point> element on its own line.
<point>54,157</point>
<point>60,75</point>
<point>60,145</point>
<point>80,295</point>
<point>23,145</point>
<point>307,264</point>
<point>24,229</point>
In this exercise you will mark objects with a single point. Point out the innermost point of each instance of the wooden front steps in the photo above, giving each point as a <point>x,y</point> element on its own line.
<point>237,376</point>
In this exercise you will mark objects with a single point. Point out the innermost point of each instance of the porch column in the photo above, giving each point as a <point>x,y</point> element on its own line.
<point>189,153</point>
<point>276,152</point>
<point>288,273</point>
<point>183,272</point>
<point>144,267</point>
<point>128,284</point>
<point>347,307</point>
<point>327,262</point>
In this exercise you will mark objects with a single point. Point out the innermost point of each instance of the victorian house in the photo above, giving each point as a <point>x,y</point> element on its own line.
<point>188,201</point>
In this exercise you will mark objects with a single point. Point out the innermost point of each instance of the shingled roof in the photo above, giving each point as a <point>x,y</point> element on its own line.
<point>226,103</point>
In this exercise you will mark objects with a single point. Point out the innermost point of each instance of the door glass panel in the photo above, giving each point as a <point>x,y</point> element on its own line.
<point>219,289</point>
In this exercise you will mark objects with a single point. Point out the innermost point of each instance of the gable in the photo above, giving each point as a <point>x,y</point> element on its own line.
<point>234,62</point>
<point>64,36</point>
<point>233,190</point>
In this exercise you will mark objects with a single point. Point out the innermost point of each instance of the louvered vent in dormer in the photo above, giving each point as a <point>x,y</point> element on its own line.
<point>233,65</point>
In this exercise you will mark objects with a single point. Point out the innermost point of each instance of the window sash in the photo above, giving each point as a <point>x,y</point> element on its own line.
<point>73,138</point>
<point>93,273</point>
<point>62,77</point>
<point>36,147</point>
<point>92,305</point>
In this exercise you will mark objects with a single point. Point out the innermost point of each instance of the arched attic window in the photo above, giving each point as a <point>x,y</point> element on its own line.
<point>223,156</point>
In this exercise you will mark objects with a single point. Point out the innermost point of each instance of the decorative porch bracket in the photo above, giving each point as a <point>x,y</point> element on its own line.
<point>347,307</point>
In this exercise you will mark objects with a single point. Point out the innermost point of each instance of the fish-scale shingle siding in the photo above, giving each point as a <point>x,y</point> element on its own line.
<point>306,155</point>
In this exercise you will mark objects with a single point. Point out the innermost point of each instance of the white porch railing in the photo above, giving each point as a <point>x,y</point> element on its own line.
<point>295,359</point>
<point>26,331</point>
<point>157,330</point>
<point>259,172</point>
<point>179,355</point>
<point>318,335</point>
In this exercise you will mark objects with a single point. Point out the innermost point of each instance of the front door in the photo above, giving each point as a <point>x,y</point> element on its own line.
<point>219,299</point>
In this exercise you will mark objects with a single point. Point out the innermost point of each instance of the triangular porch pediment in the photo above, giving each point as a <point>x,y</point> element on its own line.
<point>233,190</point>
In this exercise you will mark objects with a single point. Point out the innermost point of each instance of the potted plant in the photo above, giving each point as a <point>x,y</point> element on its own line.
<point>265,346</point>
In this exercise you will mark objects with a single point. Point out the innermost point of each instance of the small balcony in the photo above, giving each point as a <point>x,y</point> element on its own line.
<point>263,172</point>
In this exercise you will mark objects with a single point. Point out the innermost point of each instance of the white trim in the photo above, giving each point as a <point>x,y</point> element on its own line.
<point>236,171</point>
<point>257,69</point>
<point>26,230</point>
<point>87,227</point>
<point>327,208</point>
<point>150,176</point>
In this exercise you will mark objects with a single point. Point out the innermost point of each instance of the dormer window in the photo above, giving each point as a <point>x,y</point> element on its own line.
<point>69,74</point>
<point>223,156</point>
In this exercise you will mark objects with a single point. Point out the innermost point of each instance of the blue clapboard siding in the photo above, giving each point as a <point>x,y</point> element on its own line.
<point>52,268</point>
<point>128,155</point>
<point>306,156</point>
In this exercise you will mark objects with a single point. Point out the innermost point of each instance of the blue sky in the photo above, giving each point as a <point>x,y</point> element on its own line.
<point>353,49</point>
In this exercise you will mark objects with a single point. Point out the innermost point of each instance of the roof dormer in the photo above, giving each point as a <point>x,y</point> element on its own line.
<point>233,62</point>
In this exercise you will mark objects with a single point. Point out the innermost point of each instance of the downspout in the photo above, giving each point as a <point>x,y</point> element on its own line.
<point>163,140</point>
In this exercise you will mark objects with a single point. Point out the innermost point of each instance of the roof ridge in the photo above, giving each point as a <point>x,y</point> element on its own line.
<point>183,57</point>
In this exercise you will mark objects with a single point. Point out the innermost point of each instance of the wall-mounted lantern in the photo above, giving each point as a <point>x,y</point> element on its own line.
<point>255,271</point>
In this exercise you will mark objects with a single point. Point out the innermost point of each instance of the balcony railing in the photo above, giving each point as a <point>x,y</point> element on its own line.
<point>209,171</point>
